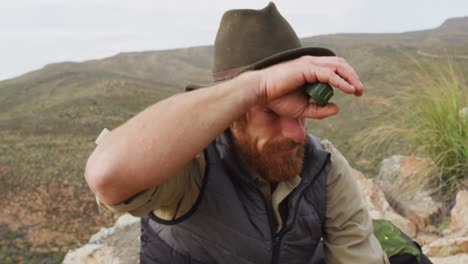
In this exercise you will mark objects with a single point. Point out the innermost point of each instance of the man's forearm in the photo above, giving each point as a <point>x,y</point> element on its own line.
<point>155,144</point>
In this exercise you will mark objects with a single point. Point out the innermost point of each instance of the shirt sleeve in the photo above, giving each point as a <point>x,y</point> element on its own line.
<point>349,234</point>
<point>169,200</point>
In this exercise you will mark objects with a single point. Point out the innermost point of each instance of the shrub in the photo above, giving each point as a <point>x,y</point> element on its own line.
<point>430,119</point>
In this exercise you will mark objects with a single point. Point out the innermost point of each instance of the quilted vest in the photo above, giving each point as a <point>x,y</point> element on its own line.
<point>231,221</point>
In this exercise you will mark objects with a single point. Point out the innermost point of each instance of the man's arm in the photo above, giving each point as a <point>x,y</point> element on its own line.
<point>155,144</point>
<point>158,142</point>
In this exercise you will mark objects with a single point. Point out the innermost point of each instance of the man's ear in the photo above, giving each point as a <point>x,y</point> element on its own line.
<point>238,125</point>
<point>234,128</point>
<point>231,127</point>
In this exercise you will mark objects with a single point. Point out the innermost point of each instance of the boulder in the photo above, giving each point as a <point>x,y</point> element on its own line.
<point>424,238</point>
<point>91,254</point>
<point>445,247</point>
<point>459,213</point>
<point>403,180</point>
<point>117,244</point>
<point>460,258</point>
<point>378,206</point>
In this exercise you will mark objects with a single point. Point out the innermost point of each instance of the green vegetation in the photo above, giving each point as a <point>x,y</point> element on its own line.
<point>14,248</point>
<point>430,120</point>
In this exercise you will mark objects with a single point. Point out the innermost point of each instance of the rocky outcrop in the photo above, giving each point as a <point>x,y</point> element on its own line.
<point>378,206</point>
<point>445,247</point>
<point>453,246</point>
<point>459,213</point>
<point>457,259</point>
<point>403,181</point>
<point>448,250</point>
<point>118,244</point>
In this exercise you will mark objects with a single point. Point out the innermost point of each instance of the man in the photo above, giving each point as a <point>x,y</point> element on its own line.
<point>227,173</point>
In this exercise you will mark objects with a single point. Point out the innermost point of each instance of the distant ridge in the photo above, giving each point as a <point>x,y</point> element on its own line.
<point>458,23</point>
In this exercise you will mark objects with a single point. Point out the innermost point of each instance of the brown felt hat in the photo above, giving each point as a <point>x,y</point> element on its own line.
<point>253,39</point>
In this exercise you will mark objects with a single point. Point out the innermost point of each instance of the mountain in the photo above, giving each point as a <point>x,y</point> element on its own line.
<point>50,118</point>
<point>455,24</point>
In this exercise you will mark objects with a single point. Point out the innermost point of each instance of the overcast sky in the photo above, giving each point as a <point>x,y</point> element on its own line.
<point>34,33</point>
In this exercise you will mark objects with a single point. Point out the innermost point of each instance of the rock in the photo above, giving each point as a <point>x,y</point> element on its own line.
<point>117,244</point>
<point>403,181</point>
<point>461,258</point>
<point>90,254</point>
<point>122,222</point>
<point>378,206</point>
<point>424,238</point>
<point>459,213</point>
<point>445,247</point>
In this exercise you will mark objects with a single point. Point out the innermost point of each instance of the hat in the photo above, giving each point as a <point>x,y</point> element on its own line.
<point>254,39</point>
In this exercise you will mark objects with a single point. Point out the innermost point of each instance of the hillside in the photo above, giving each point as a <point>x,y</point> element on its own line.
<point>50,118</point>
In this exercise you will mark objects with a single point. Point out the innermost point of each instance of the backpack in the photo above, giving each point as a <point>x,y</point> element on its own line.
<point>400,248</point>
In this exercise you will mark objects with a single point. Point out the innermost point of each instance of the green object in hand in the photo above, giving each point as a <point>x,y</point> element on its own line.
<point>320,93</point>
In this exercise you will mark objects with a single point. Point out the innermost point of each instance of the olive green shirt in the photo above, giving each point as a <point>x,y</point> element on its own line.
<point>349,235</point>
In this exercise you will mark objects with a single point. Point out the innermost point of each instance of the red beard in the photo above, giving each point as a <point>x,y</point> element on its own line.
<point>272,169</point>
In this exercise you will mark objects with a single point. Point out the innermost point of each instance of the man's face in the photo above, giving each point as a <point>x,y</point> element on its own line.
<point>270,144</point>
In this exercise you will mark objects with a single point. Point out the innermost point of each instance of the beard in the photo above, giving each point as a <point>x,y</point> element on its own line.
<point>266,162</point>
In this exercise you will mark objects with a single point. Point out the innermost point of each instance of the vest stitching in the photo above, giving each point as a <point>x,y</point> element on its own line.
<point>152,232</point>
<point>215,245</point>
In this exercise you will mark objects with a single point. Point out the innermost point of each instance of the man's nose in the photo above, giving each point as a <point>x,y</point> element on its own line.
<point>293,128</point>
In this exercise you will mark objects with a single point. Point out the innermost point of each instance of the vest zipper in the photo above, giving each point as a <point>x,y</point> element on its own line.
<point>277,236</point>
<point>276,248</point>
<point>276,239</point>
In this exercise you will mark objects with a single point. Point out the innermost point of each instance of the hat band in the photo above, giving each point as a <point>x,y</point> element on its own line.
<point>219,76</point>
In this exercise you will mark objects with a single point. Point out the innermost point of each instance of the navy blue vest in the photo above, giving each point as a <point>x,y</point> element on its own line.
<point>231,221</point>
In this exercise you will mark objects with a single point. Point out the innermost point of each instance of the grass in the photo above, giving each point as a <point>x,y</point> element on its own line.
<point>15,248</point>
<point>429,120</point>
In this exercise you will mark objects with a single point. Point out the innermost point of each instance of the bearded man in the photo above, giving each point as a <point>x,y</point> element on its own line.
<point>227,173</point>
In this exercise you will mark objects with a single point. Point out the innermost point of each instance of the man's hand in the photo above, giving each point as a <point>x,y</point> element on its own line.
<point>280,86</point>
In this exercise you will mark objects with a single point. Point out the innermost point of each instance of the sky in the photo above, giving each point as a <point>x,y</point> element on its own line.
<point>34,33</point>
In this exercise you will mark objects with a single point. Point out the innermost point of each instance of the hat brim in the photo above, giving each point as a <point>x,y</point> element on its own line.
<point>269,61</point>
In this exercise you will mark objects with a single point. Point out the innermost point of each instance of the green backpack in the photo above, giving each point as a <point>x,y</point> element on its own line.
<point>393,241</point>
